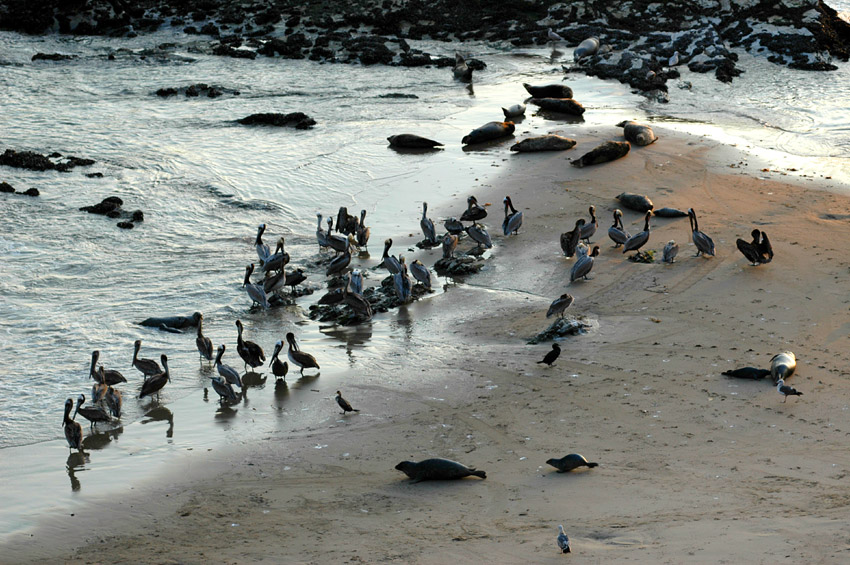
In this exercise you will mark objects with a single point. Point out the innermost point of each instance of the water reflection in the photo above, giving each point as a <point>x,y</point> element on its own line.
<point>225,413</point>
<point>161,414</point>
<point>97,440</point>
<point>354,337</point>
<point>253,379</point>
<point>281,395</point>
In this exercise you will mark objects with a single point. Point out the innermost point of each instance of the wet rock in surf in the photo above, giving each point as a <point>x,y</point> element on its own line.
<point>196,90</point>
<point>52,57</point>
<point>458,265</point>
<point>37,162</point>
<point>111,208</point>
<point>298,120</point>
<point>562,327</point>
<point>381,298</point>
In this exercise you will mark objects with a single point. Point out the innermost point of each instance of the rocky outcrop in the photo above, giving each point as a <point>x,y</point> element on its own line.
<point>37,162</point>
<point>196,90</point>
<point>298,120</point>
<point>111,207</point>
<point>9,189</point>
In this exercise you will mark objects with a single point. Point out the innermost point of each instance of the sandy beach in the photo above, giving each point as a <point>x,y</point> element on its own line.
<point>694,467</point>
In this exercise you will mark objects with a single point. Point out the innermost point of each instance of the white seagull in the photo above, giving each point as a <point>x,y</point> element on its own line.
<point>786,390</point>
<point>563,540</point>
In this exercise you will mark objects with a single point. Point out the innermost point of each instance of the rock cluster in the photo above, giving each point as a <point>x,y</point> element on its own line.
<point>562,327</point>
<point>195,90</point>
<point>37,162</point>
<point>9,189</point>
<point>298,120</point>
<point>111,208</point>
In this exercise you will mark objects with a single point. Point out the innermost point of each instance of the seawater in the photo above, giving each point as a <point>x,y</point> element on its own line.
<point>72,282</point>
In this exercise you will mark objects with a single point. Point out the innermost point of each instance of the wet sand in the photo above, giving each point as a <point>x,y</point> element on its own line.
<point>693,466</point>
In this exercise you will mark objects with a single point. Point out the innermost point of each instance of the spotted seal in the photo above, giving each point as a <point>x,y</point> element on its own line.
<point>544,143</point>
<point>437,470</point>
<point>636,202</point>
<point>172,323</point>
<point>586,48</point>
<point>639,134</point>
<point>570,462</point>
<point>562,105</point>
<point>490,130</point>
<point>514,111</point>
<point>549,90</point>
<point>608,151</point>
<point>412,141</point>
<point>782,366</point>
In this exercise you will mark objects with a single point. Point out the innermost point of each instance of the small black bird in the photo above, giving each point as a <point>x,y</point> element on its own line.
<point>552,355</point>
<point>786,390</point>
<point>343,403</point>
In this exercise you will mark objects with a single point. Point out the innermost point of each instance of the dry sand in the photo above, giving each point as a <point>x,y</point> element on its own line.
<point>694,467</point>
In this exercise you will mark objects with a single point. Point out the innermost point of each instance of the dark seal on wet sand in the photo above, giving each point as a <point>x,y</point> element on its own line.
<point>562,105</point>
<point>549,90</point>
<point>636,202</point>
<point>412,141</point>
<point>437,470</point>
<point>490,130</point>
<point>570,462</point>
<point>608,151</point>
<point>549,142</point>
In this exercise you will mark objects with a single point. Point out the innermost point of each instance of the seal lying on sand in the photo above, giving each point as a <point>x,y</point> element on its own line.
<point>171,323</point>
<point>747,373</point>
<point>570,462</point>
<point>562,105</point>
<point>782,366</point>
<point>669,213</point>
<point>636,202</point>
<point>437,470</point>
<point>412,141</point>
<point>490,130</point>
<point>549,90</point>
<point>639,134</point>
<point>514,111</point>
<point>544,143</point>
<point>586,48</point>
<point>608,151</point>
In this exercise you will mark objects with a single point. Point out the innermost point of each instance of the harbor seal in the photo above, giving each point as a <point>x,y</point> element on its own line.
<point>562,105</point>
<point>586,48</point>
<point>636,202</point>
<point>490,130</point>
<point>608,151</point>
<point>461,70</point>
<point>549,142</point>
<point>669,213</point>
<point>782,366</point>
<point>412,141</point>
<point>172,323</point>
<point>570,462</point>
<point>514,111</point>
<point>639,134</point>
<point>549,90</point>
<point>747,373</point>
<point>437,470</point>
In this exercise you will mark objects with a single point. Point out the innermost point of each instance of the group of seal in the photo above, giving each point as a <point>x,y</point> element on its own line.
<point>782,366</point>
<point>438,469</point>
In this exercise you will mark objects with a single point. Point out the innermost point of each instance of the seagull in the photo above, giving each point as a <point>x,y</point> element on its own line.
<point>552,355</point>
<point>786,390</point>
<point>563,540</point>
<point>343,403</point>
<point>554,37</point>
<point>673,60</point>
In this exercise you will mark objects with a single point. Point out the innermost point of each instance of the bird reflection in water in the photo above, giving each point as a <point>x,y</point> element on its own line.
<point>76,461</point>
<point>161,414</point>
<point>253,379</point>
<point>281,394</point>
<point>100,439</point>
<point>225,412</point>
<point>354,337</point>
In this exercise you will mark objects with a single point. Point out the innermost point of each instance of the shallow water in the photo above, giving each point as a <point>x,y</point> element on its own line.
<point>72,282</point>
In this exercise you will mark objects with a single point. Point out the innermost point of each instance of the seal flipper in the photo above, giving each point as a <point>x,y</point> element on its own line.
<point>481,474</point>
<point>592,465</point>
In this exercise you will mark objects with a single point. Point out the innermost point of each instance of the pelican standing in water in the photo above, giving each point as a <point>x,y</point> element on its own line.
<point>339,263</point>
<point>670,252</point>
<point>513,218</point>
<point>102,375</point>
<point>275,283</point>
<point>338,243</point>
<point>251,353</point>
<point>479,235</point>
<point>570,239</point>
<point>389,262</point>
<point>154,384</point>
<point>449,245</point>
<point>262,249</point>
<point>421,273</point>
<point>583,265</point>
<point>638,240</point>
<point>355,301</point>
<point>227,372</point>
<point>204,344</point>
<point>114,401</point>
<point>427,226</point>
<point>279,369</point>
<point>321,234</point>
<point>256,292</point>
<point>617,232</point>
<point>73,430</point>
<point>356,281</point>
<point>148,367</point>
<point>223,389</point>
<point>559,305</point>
<point>473,212</point>
<point>401,280</point>
<point>363,231</point>
<point>704,243</point>
<point>94,414</point>
<point>299,358</point>
<point>589,228</point>
<point>277,261</point>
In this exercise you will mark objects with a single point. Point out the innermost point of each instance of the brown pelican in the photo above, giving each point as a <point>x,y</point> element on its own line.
<point>473,212</point>
<point>108,376</point>
<point>583,265</point>
<point>750,250</point>
<point>570,239</point>
<point>342,220</point>
<point>427,225</point>
<point>363,231</point>
<point>262,249</point>
<point>279,369</point>
<point>453,226</point>
<point>114,400</point>
<point>321,234</point>
<point>332,297</point>
<point>588,229</point>
<point>421,273</point>
<point>226,371</point>
<point>786,390</point>
<point>356,281</point>
<point>639,239</point>
<point>295,278</point>
<point>204,344</point>
<point>148,367</point>
<point>338,243</point>
<point>343,403</point>
<point>401,280</point>
<point>355,301</point>
<point>154,383</point>
<point>223,389</point>
<point>256,292</point>
<point>617,232</point>
<point>298,357</point>
<point>389,262</point>
<point>94,414</point>
<point>449,245</point>
<point>73,430</point>
<point>278,260</point>
<point>559,305</point>
<point>339,263</point>
<point>765,249</point>
<point>274,283</point>
<point>479,235</point>
<point>702,241</point>
<point>552,355</point>
<point>251,353</point>
<point>670,252</point>
<point>98,389</point>
<point>513,220</point>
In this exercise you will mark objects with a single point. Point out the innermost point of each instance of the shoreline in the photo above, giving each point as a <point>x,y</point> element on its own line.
<point>670,434</point>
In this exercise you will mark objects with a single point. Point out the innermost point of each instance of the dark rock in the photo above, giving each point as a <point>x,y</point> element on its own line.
<point>108,204</point>
<point>30,192</point>
<point>459,265</point>
<point>299,120</point>
<point>125,225</point>
<point>210,29</point>
<point>195,90</point>
<point>26,160</point>
<point>398,95</point>
<point>228,51</point>
<point>137,216</point>
<point>52,57</point>
<point>6,187</point>
<point>568,325</point>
